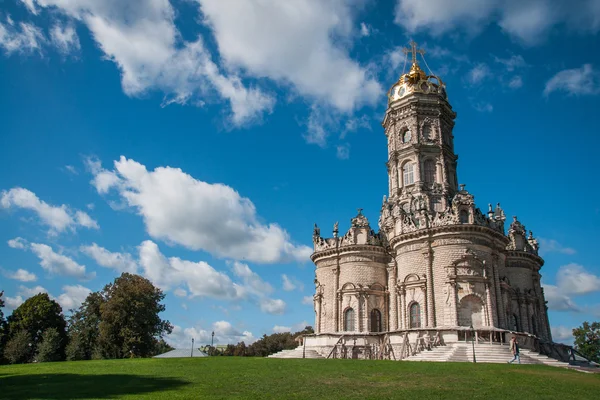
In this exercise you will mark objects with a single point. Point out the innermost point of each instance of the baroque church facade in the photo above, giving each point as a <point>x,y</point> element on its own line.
<point>437,263</point>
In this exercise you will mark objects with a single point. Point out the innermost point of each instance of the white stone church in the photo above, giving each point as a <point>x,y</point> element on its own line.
<point>438,270</point>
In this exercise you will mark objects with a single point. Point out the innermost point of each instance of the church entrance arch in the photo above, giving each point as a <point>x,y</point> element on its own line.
<point>470,312</point>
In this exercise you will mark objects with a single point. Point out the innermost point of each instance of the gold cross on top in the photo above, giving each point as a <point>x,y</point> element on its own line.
<point>413,49</point>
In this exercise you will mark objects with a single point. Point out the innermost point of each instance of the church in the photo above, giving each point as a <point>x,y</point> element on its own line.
<point>438,269</point>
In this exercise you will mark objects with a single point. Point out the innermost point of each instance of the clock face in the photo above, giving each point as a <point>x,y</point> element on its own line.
<point>401,91</point>
<point>406,137</point>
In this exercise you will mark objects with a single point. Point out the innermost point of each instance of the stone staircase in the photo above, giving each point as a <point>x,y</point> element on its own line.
<point>296,353</point>
<point>484,353</point>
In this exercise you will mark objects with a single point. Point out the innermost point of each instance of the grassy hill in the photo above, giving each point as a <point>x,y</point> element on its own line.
<point>258,378</point>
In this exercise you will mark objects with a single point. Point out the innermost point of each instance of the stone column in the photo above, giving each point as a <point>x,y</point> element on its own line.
<point>488,299</point>
<point>336,273</point>
<point>428,254</point>
<point>528,314</point>
<point>501,312</point>
<point>318,303</point>
<point>402,300</point>
<point>392,310</point>
<point>454,303</point>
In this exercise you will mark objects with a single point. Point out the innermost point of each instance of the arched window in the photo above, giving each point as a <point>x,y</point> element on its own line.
<point>463,217</point>
<point>349,320</point>
<point>515,323</point>
<point>429,167</point>
<point>408,173</point>
<point>376,321</point>
<point>415,315</point>
<point>426,131</point>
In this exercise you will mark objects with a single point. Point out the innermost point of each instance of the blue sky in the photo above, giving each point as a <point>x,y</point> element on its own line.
<point>197,141</point>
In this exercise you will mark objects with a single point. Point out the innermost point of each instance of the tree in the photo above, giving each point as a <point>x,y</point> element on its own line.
<point>83,329</point>
<point>19,348</point>
<point>3,328</point>
<point>35,316</point>
<point>162,347</point>
<point>130,324</point>
<point>51,346</point>
<point>587,340</point>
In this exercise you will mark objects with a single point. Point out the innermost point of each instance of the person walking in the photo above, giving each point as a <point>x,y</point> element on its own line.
<point>514,349</point>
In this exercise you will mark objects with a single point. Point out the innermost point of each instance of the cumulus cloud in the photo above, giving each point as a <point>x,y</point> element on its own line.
<point>281,329</point>
<point>575,82</point>
<point>120,262</point>
<point>23,294</point>
<point>56,263</point>
<point>198,215</point>
<point>300,42</point>
<point>225,333</point>
<point>58,218</point>
<point>479,73</point>
<point>291,283</point>
<point>20,275</point>
<point>272,306</point>
<point>343,151</point>
<point>528,21</point>
<point>17,243</point>
<point>559,301</point>
<point>144,43</point>
<point>571,280</point>
<point>252,282</point>
<point>72,296</point>
<point>308,300</point>
<point>562,334</point>
<point>574,279</point>
<point>200,278</point>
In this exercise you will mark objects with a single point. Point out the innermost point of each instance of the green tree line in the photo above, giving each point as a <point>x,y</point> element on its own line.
<point>121,320</point>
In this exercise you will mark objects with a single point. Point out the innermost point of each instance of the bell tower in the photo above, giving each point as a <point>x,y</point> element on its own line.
<point>418,124</point>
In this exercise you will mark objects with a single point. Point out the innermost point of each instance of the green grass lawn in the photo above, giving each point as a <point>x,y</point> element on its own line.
<point>259,378</point>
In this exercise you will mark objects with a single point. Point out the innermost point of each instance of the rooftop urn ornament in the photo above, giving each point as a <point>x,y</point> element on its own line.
<point>335,229</point>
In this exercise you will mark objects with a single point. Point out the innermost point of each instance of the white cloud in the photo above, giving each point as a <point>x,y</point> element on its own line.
<point>65,38</point>
<point>288,285</point>
<point>71,169</point>
<point>552,246</point>
<point>308,300</point>
<point>30,6</point>
<point>343,151</point>
<point>30,292</point>
<point>201,279</point>
<point>179,292</point>
<point>17,243</point>
<point>72,297</point>
<point>365,30</point>
<point>121,262</point>
<point>13,303</point>
<point>225,333</point>
<point>479,73</point>
<point>300,42</point>
<point>199,215</point>
<point>513,63</point>
<point>528,21</point>
<point>575,82</point>
<point>562,334</point>
<point>23,294</point>
<point>20,275</point>
<point>281,329</point>
<point>26,38</point>
<point>59,264</point>
<point>557,300</point>
<point>483,106</point>
<point>291,283</point>
<point>573,279</point>
<point>515,82</point>
<point>144,43</point>
<point>252,282</point>
<point>272,306</point>
<point>58,218</point>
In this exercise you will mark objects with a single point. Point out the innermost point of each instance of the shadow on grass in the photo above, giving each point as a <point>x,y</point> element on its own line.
<point>75,386</point>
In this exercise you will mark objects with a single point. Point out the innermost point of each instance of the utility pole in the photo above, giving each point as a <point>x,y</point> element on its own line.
<point>192,355</point>
<point>212,340</point>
